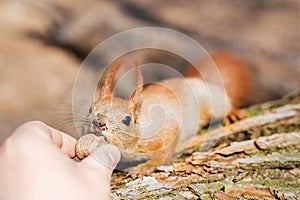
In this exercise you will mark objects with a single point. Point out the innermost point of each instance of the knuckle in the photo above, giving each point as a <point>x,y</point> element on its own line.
<point>20,139</point>
<point>32,124</point>
<point>29,128</point>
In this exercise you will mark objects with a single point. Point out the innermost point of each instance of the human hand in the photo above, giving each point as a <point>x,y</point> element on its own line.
<point>36,164</point>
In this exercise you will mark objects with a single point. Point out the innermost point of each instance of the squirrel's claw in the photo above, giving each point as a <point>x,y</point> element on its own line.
<point>235,115</point>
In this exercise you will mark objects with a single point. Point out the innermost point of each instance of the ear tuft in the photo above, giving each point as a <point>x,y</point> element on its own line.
<point>137,96</point>
<point>106,91</point>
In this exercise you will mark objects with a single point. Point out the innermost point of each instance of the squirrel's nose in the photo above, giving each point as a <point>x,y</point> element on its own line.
<point>96,123</point>
<point>97,127</point>
<point>99,121</point>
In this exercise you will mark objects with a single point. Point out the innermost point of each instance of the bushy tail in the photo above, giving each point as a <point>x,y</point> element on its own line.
<point>235,73</point>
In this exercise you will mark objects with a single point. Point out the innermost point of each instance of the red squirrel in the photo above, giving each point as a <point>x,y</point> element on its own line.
<point>157,118</point>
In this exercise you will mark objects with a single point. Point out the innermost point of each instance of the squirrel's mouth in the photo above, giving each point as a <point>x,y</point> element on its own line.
<point>99,129</point>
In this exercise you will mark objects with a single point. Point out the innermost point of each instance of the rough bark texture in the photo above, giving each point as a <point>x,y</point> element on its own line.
<point>255,158</point>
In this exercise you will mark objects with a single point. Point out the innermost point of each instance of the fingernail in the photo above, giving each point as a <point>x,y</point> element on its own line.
<point>108,155</point>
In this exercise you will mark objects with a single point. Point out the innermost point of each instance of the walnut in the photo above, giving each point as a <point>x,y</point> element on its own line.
<point>87,143</point>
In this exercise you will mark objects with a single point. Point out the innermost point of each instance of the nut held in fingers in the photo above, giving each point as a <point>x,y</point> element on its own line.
<point>87,143</point>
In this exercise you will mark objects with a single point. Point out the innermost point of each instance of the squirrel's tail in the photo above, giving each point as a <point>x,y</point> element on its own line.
<point>248,84</point>
<point>236,76</point>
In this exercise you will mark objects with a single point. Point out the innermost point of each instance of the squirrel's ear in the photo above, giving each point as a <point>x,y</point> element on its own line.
<point>137,96</point>
<point>106,91</point>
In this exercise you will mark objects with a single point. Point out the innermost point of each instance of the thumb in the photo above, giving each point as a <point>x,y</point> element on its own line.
<point>105,158</point>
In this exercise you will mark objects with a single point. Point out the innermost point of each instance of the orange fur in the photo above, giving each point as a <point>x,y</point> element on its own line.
<point>106,90</point>
<point>235,74</point>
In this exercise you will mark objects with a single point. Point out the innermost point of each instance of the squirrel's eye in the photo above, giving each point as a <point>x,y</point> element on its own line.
<point>126,120</point>
<point>90,110</point>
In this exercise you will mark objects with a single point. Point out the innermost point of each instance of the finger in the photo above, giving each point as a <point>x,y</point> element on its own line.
<point>38,131</point>
<point>64,141</point>
<point>104,159</point>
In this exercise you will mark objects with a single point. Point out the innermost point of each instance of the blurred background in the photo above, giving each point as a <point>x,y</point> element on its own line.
<point>43,43</point>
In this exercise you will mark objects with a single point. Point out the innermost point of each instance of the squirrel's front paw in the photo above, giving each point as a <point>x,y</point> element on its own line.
<point>143,169</point>
<point>234,116</point>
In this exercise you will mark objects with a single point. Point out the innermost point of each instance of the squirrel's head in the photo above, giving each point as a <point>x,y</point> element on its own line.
<point>115,118</point>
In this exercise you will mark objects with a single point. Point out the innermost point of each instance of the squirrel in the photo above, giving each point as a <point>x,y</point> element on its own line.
<point>157,118</point>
